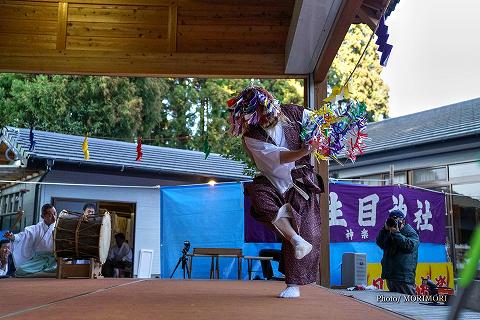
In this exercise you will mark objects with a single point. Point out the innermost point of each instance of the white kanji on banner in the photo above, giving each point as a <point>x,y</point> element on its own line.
<point>398,204</point>
<point>367,210</point>
<point>335,214</point>
<point>422,217</point>
<point>349,234</point>
<point>364,234</point>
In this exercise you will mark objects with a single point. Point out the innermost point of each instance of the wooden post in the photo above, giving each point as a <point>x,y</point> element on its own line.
<point>320,93</point>
<point>59,268</point>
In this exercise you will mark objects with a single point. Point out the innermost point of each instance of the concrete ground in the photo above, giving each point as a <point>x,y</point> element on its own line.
<point>397,303</point>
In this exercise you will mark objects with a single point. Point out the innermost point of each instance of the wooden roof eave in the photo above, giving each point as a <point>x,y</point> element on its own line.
<point>345,17</point>
<point>171,38</point>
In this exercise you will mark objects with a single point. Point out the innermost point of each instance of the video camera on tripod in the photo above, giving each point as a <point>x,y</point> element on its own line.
<point>184,260</point>
<point>186,247</point>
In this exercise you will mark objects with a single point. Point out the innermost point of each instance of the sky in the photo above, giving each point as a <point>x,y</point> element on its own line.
<point>435,60</point>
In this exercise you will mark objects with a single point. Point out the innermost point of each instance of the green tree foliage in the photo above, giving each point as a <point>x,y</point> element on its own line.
<point>97,106</point>
<point>178,113</point>
<point>366,84</point>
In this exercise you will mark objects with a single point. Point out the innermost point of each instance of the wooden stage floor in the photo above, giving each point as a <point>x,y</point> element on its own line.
<point>173,299</point>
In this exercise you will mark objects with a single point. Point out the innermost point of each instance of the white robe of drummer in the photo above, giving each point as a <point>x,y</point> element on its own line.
<point>124,253</point>
<point>34,239</point>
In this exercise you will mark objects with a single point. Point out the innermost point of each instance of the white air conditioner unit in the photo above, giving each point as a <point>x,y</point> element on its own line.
<point>354,269</point>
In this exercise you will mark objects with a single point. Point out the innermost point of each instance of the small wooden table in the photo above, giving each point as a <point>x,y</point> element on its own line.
<point>215,254</point>
<point>250,262</point>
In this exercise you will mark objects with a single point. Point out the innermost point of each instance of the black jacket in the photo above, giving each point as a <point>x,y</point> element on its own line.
<point>400,254</point>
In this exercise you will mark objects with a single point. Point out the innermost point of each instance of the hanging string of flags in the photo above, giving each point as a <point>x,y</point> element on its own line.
<point>139,145</point>
<point>86,151</point>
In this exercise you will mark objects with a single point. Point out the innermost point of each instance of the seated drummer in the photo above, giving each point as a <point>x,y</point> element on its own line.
<point>119,256</point>
<point>32,248</point>
<point>89,209</point>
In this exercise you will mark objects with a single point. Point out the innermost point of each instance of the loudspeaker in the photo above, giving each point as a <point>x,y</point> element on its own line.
<point>354,269</point>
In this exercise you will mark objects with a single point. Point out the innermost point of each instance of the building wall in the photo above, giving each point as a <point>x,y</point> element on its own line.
<point>405,162</point>
<point>28,203</point>
<point>147,218</point>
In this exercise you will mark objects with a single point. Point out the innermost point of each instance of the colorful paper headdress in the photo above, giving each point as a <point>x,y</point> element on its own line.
<point>253,106</point>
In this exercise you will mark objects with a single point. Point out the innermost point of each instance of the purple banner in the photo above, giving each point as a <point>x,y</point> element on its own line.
<point>357,213</point>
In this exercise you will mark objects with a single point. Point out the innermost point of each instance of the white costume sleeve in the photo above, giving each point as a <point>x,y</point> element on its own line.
<point>120,254</point>
<point>24,244</point>
<point>126,253</point>
<point>267,159</point>
<point>34,239</point>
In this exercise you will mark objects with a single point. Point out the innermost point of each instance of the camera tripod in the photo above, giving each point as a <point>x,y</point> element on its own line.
<point>184,260</point>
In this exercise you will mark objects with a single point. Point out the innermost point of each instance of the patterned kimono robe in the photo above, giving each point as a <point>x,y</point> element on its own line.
<point>282,184</point>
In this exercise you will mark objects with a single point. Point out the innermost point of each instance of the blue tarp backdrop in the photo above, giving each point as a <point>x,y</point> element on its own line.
<point>207,216</point>
<point>213,216</point>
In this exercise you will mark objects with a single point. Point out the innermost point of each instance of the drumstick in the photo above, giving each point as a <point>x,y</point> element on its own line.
<point>18,219</point>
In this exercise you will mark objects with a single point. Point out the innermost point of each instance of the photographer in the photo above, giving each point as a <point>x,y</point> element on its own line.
<point>399,242</point>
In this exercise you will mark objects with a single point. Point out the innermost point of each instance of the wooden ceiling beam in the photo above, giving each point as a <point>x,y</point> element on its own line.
<point>208,38</point>
<point>106,2</point>
<point>154,65</point>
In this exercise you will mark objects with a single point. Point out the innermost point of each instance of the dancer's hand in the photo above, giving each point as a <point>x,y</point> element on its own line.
<point>9,235</point>
<point>314,144</point>
<point>292,156</point>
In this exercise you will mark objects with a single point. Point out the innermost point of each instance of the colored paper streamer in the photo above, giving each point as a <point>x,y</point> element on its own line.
<point>139,149</point>
<point>339,125</point>
<point>86,153</point>
<point>33,143</point>
<point>383,46</point>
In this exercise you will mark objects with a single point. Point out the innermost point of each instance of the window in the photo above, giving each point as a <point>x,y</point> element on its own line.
<point>466,215</point>
<point>399,177</point>
<point>423,176</point>
<point>372,180</point>
<point>464,169</point>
